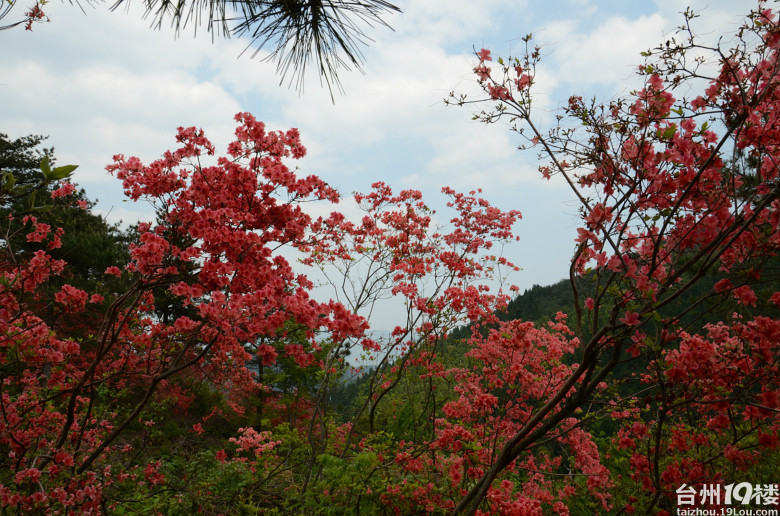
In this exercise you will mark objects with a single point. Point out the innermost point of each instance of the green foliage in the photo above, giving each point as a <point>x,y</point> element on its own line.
<point>195,482</point>
<point>89,243</point>
<point>25,173</point>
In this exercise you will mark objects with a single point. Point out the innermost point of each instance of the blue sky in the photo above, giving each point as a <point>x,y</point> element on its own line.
<point>103,83</point>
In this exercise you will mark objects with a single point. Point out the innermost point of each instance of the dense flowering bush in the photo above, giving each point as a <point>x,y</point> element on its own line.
<point>671,190</point>
<point>67,402</point>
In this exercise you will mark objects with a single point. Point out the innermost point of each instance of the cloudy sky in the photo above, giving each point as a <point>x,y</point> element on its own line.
<point>101,83</point>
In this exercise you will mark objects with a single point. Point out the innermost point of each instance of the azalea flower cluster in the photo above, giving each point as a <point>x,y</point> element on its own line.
<point>661,206</point>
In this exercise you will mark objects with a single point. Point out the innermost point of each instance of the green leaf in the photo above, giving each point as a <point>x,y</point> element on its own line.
<point>45,167</point>
<point>29,201</point>
<point>20,190</point>
<point>8,181</point>
<point>652,344</point>
<point>61,172</point>
<point>4,281</point>
<point>669,132</point>
<point>500,61</point>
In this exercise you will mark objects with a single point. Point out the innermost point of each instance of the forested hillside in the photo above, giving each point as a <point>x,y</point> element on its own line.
<point>541,303</point>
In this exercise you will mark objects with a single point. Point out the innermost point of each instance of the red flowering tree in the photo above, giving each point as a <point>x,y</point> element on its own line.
<point>204,296</point>
<point>67,402</point>
<point>398,250</point>
<point>442,274</point>
<point>672,190</point>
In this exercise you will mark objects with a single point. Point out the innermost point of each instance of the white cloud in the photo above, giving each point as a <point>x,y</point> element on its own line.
<point>126,216</point>
<point>471,155</point>
<point>105,83</point>
<point>403,85</point>
<point>607,54</point>
<point>95,112</point>
<point>443,21</point>
<point>714,16</point>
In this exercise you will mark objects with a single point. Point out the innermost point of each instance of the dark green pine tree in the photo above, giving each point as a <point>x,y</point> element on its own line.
<point>326,34</point>
<point>89,243</point>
